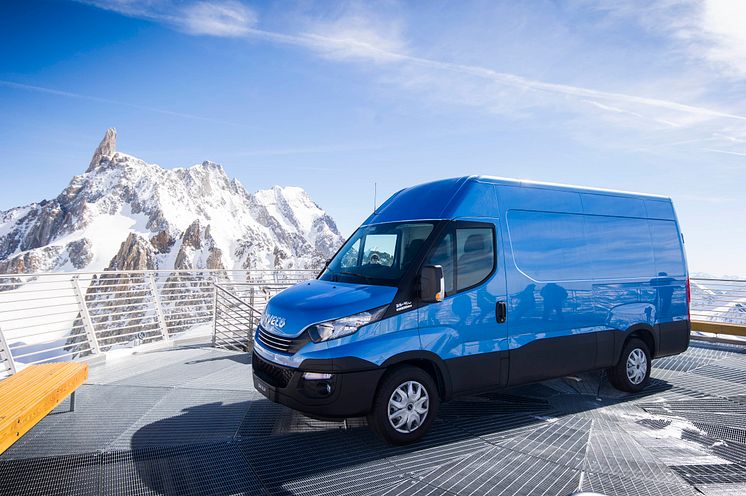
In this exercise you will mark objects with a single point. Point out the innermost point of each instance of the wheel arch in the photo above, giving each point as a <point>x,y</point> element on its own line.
<point>427,361</point>
<point>645,333</point>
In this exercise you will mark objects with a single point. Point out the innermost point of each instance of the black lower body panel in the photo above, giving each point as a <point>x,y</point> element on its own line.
<point>477,372</point>
<point>674,337</point>
<point>549,358</point>
<point>345,394</point>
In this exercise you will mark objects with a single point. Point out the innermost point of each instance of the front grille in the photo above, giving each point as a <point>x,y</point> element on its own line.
<point>271,373</point>
<point>280,343</point>
<point>274,342</point>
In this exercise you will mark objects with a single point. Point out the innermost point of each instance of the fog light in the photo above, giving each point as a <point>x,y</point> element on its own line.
<point>325,389</point>
<point>316,376</point>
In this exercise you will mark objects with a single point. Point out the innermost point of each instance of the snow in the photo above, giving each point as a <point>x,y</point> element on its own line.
<point>9,218</point>
<point>108,197</point>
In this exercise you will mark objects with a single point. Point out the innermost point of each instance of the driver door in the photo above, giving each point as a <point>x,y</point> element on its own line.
<point>465,329</point>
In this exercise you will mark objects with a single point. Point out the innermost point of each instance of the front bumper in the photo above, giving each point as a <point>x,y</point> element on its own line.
<point>349,393</point>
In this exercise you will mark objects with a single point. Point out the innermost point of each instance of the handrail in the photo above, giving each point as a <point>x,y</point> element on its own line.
<point>155,271</point>
<point>54,316</point>
<point>46,317</point>
<point>219,287</point>
<point>718,306</point>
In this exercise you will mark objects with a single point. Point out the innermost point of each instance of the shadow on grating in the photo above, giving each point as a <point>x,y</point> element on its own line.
<point>72,474</point>
<point>102,414</point>
<point>187,417</point>
<point>213,469</point>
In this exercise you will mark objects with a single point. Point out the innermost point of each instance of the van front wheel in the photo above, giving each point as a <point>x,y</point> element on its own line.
<point>405,405</point>
<point>632,373</point>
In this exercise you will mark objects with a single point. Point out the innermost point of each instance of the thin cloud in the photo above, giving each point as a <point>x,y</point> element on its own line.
<point>352,47</point>
<point>69,94</point>
<point>358,36</point>
<point>727,152</point>
<point>310,150</point>
<point>227,19</point>
<point>221,18</point>
<point>710,31</point>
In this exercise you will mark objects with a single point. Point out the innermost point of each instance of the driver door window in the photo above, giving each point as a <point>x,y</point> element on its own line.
<point>466,251</point>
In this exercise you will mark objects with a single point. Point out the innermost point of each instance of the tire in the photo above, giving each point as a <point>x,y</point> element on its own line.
<point>632,372</point>
<point>418,410</point>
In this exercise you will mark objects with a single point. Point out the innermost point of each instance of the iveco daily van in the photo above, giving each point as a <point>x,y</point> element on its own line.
<point>460,285</point>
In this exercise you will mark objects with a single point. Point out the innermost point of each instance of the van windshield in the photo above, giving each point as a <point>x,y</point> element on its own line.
<point>378,254</point>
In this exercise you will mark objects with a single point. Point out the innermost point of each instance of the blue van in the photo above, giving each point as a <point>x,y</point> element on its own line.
<point>467,284</point>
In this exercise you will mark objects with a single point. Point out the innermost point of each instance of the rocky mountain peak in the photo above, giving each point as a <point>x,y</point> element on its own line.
<point>125,213</point>
<point>135,253</point>
<point>106,149</point>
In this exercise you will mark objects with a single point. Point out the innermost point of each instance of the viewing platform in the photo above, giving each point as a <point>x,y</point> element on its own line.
<point>187,420</point>
<point>171,409</point>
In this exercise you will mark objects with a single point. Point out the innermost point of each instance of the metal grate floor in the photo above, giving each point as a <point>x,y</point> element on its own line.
<point>187,421</point>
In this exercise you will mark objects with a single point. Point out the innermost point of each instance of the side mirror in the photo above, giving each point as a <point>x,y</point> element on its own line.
<point>432,284</point>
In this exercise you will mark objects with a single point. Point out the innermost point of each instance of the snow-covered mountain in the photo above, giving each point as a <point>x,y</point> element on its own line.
<point>124,213</point>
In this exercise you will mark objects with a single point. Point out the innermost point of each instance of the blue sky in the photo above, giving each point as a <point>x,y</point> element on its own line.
<point>646,96</point>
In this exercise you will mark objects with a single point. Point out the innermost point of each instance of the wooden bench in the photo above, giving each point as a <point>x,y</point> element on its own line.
<point>28,396</point>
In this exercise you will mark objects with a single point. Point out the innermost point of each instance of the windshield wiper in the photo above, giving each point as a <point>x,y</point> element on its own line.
<point>355,274</point>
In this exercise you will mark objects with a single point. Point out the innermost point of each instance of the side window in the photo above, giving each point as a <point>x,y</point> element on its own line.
<point>620,247</point>
<point>412,241</point>
<point>475,252</point>
<point>549,246</point>
<point>467,255</point>
<point>667,248</point>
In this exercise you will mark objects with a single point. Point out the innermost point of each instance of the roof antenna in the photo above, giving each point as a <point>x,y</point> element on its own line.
<point>375,191</point>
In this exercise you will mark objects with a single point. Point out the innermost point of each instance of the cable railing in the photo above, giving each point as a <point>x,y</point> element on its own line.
<point>68,316</point>
<point>50,317</point>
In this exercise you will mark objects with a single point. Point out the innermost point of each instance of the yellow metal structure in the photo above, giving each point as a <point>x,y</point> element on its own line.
<point>28,396</point>
<point>719,328</point>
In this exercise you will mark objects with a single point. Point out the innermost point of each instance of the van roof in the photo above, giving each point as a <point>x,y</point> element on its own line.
<point>472,196</point>
<point>559,186</point>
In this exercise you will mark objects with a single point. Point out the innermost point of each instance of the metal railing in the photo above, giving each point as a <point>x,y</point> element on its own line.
<point>236,317</point>
<point>718,306</point>
<point>65,316</point>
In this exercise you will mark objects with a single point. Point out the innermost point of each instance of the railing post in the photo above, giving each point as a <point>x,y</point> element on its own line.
<point>90,331</point>
<point>214,312</point>
<point>158,307</point>
<point>5,352</point>
<point>252,321</point>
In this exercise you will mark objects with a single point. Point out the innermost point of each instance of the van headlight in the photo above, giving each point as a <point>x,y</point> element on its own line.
<point>333,329</point>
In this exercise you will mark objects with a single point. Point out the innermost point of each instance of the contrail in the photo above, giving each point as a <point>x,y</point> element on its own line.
<point>68,94</point>
<point>320,42</point>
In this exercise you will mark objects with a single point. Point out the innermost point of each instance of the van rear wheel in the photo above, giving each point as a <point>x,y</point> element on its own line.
<point>632,373</point>
<point>405,405</point>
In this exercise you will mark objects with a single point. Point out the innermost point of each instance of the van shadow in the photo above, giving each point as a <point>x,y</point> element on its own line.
<point>274,449</point>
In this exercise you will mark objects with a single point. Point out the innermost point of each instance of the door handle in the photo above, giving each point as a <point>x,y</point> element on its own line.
<point>501,312</point>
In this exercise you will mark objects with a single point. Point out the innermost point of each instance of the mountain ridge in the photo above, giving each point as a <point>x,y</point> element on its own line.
<point>127,214</point>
